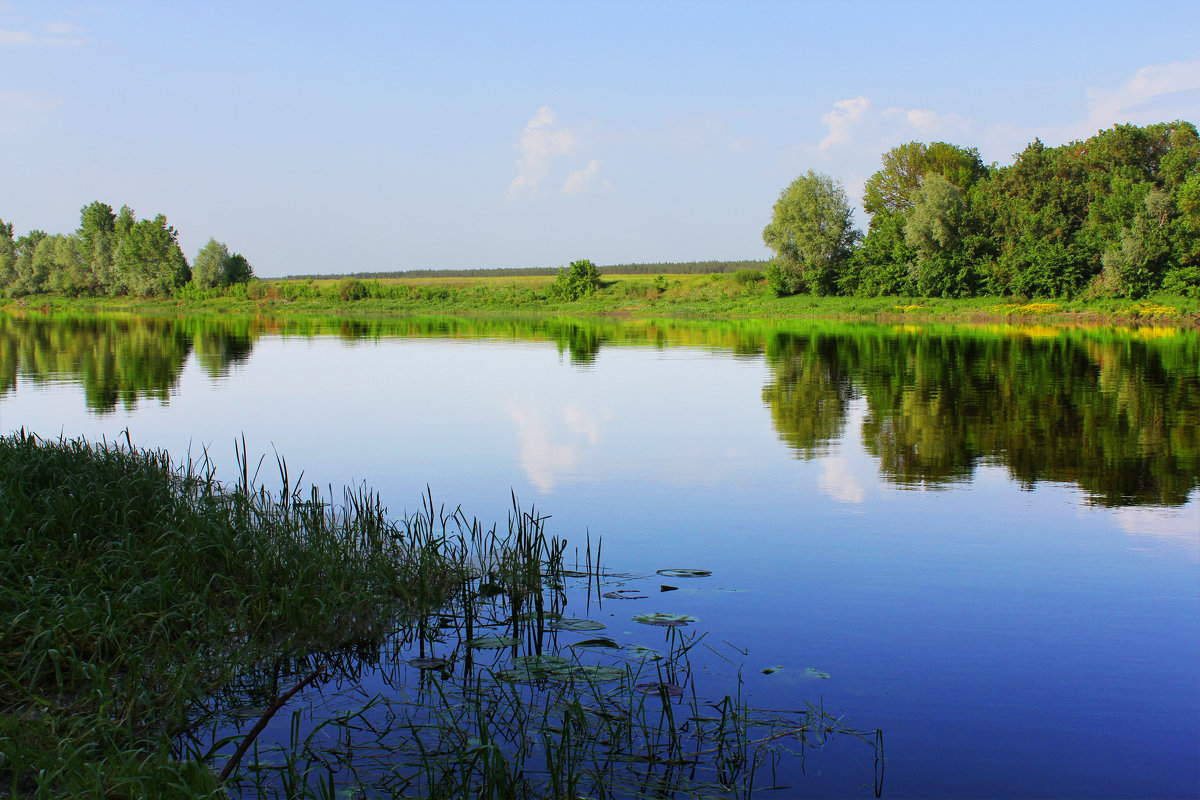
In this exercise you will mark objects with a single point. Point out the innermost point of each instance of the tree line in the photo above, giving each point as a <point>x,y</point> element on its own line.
<point>1115,215</point>
<point>113,254</point>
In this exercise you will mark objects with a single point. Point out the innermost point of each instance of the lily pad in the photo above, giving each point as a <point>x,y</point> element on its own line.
<point>597,673</point>
<point>638,651</point>
<point>660,689</point>
<point>541,670</point>
<point>545,661</point>
<point>663,619</point>
<point>492,642</point>
<point>600,642</point>
<point>523,675</point>
<point>578,625</point>
<point>771,670</point>
<point>813,672</point>
<point>685,573</point>
<point>428,662</point>
<point>625,594</point>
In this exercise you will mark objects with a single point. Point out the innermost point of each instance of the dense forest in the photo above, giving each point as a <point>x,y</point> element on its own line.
<point>1116,215</point>
<point>113,254</point>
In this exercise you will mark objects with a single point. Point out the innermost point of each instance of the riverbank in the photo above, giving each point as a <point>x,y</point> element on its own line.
<point>144,595</point>
<point>738,295</point>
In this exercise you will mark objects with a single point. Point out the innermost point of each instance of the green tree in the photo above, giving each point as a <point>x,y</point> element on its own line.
<point>148,258</point>
<point>237,270</point>
<point>72,274</point>
<point>581,279</point>
<point>8,255</point>
<point>890,190</point>
<point>208,270</point>
<point>812,235</point>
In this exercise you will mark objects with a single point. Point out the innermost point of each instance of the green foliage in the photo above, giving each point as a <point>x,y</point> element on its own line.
<point>148,594</point>
<point>350,289</point>
<point>890,190</point>
<point>582,279</point>
<point>812,235</point>
<point>112,254</point>
<point>208,270</point>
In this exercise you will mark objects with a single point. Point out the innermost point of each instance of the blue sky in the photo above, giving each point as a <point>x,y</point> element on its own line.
<point>379,136</point>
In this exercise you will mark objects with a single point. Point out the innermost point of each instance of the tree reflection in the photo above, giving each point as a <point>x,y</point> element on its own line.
<point>1114,413</point>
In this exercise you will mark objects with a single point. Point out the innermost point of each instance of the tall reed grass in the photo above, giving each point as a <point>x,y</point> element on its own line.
<point>166,636</point>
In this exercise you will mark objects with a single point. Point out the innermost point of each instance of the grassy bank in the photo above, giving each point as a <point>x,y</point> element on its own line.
<point>150,614</point>
<point>742,294</point>
<point>135,592</point>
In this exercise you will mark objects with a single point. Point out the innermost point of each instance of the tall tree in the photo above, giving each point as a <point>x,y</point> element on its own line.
<point>812,234</point>
<point>890,190</point>
<point>8,256</point>
<point>238,270</point>
<point>208,270</point>
<point>149,260</point>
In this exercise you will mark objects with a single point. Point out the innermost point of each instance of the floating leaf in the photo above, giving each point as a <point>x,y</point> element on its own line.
<point>625,594</point>
<point>492,642</point>
<point>599,673</point>
<point>665,620</point>
<point>660,689</point>
<point>544,661</point>
<point>574,573</point>
<point>534,673</point>
<point>601,642</point>
<point>638,651</point>
<point>428,662</point>
<point>771,670</point>
<point>664,588</point>
<point>685,573</point>
<point>813,672</point>
<point>578,625</point>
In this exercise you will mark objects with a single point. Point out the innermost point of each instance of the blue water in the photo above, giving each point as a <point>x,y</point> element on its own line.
<point>1011,639</point>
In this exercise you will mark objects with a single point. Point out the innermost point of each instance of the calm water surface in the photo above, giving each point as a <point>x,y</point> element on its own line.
<point>989,537</point>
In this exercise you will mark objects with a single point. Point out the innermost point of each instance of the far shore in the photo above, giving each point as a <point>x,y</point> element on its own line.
<point>711,296</point>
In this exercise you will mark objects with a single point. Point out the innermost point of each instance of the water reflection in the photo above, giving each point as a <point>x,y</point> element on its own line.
<point>1113,411</point>
<point>1115,414</point>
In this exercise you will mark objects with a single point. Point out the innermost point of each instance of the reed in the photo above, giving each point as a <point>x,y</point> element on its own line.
<point>165,635</point>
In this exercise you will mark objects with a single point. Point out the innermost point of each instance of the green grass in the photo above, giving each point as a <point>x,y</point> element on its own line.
<point>717,295</point>
<point>134,592</point>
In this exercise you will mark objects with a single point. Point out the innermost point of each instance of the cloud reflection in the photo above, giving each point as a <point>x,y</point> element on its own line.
<point>554,441</point>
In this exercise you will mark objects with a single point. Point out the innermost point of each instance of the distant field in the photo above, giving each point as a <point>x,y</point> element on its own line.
<point>647,268</point>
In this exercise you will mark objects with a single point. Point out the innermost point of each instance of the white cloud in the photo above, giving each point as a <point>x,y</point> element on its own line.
<point>61,34</point>
<point>583,180</point>
<point>542,141</point>
<point>16,37</point>
<point>62,28</point>
<point>1156,93</point>
<point>842,121</point>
